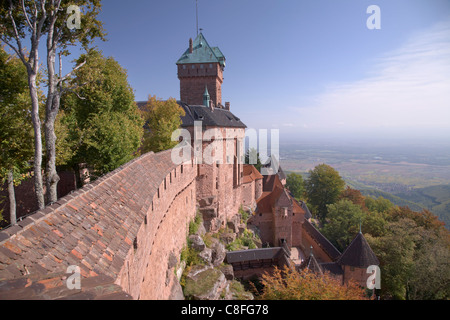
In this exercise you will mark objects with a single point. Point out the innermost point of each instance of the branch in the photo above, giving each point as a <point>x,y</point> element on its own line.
<point>43,18</point>
<point>71,72</point>
<point>16,50</point>
<point>72,89</point>
<point>19,48</point>
<point>26,14</point>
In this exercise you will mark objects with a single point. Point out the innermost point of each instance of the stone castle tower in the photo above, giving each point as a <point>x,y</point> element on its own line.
<point>219,182</point>
<point>201,67</point>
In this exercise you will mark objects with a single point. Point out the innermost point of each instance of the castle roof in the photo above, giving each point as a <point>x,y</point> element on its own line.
<point>251,173</point>
<point>358,254</point>
<point>92,228</point>
<point>320,239</point>
<point>218,117</point>
<point>312,265</point>
<point>202,52</point>
<point>254,254</point>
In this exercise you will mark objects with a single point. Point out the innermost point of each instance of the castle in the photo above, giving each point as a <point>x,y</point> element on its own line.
<point>125,231</point>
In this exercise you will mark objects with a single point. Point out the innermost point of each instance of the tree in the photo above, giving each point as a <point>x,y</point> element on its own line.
<point>162,119</point>
<point>323,187</point>
<point>22,19</point>
<point>395,251</point>
<point>105,128</point>
<point>289,284</point>
<point>295,184</point>
<point>379,205</point>
<point>344,219</point>
<point>111,140</point>
<point>414,251</point>
<point>16,136</point>
<point>354,196</point>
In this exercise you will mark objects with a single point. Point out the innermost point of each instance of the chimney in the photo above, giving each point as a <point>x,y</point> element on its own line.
<point>191,46</point>
<point>227,106</point>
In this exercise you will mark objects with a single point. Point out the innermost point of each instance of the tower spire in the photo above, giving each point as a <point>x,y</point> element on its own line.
<point>196,10</point>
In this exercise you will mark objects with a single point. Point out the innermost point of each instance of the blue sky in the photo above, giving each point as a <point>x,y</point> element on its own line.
<point>305,67</point>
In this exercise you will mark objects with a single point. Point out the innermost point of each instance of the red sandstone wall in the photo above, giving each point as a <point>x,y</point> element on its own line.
<point>194,79</point>
<point>359,275</point>
<point>26,200</point>
<point>145,270</point>
<point>248,194</point>
<point>319,253</point>
<point>282,217</point>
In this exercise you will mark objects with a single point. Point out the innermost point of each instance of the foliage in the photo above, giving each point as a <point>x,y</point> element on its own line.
<point>162,120</point>
<point>296,185</point>
<point>111,140</point>
<point>289,284</point>
<point>379,205</point>
<point>194,225</point>
<point>105,127</point>
<point>323,187</point>
<point>244,215</point>
<point>33,20</point>
<point>16,135</point>
<point>246,239</point>
<point>16,132</point>
<point>344,219</point>
<point>414,255</point>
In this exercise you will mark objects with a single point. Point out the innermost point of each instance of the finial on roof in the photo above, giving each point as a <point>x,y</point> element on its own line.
<point>360,225</point>
<point>206,98</point>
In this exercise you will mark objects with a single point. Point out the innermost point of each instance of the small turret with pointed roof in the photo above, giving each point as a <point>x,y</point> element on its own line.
<point>358,254</point>
<point>206,98</point>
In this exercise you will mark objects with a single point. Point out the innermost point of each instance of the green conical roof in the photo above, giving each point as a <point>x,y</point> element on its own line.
<point>202,53</point>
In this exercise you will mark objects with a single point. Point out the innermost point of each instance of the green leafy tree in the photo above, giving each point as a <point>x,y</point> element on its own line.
<point>34,20</point>
<point>323,187</point>
<point>344,219</point>
<point>16,135</point>
<point>295,184</point>
<point>395,251</point>
<point>105,127</point>
<point>162,118</point>
<point>414,251</point>
<point>379,205</point>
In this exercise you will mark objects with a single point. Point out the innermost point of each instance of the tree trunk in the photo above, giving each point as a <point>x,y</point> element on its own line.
<point>52,177</point>
<point>12,198</point>
<point>38,183</point>
<point>52,109</point>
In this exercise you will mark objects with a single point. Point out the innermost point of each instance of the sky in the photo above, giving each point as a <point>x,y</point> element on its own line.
<point>309,68</point>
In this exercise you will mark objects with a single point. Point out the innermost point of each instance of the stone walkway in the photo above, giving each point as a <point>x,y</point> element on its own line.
<point>297,255</point>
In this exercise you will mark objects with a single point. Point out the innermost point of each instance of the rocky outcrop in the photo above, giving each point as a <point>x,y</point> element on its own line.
<point>204,283</point>
<point>211,279</point>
